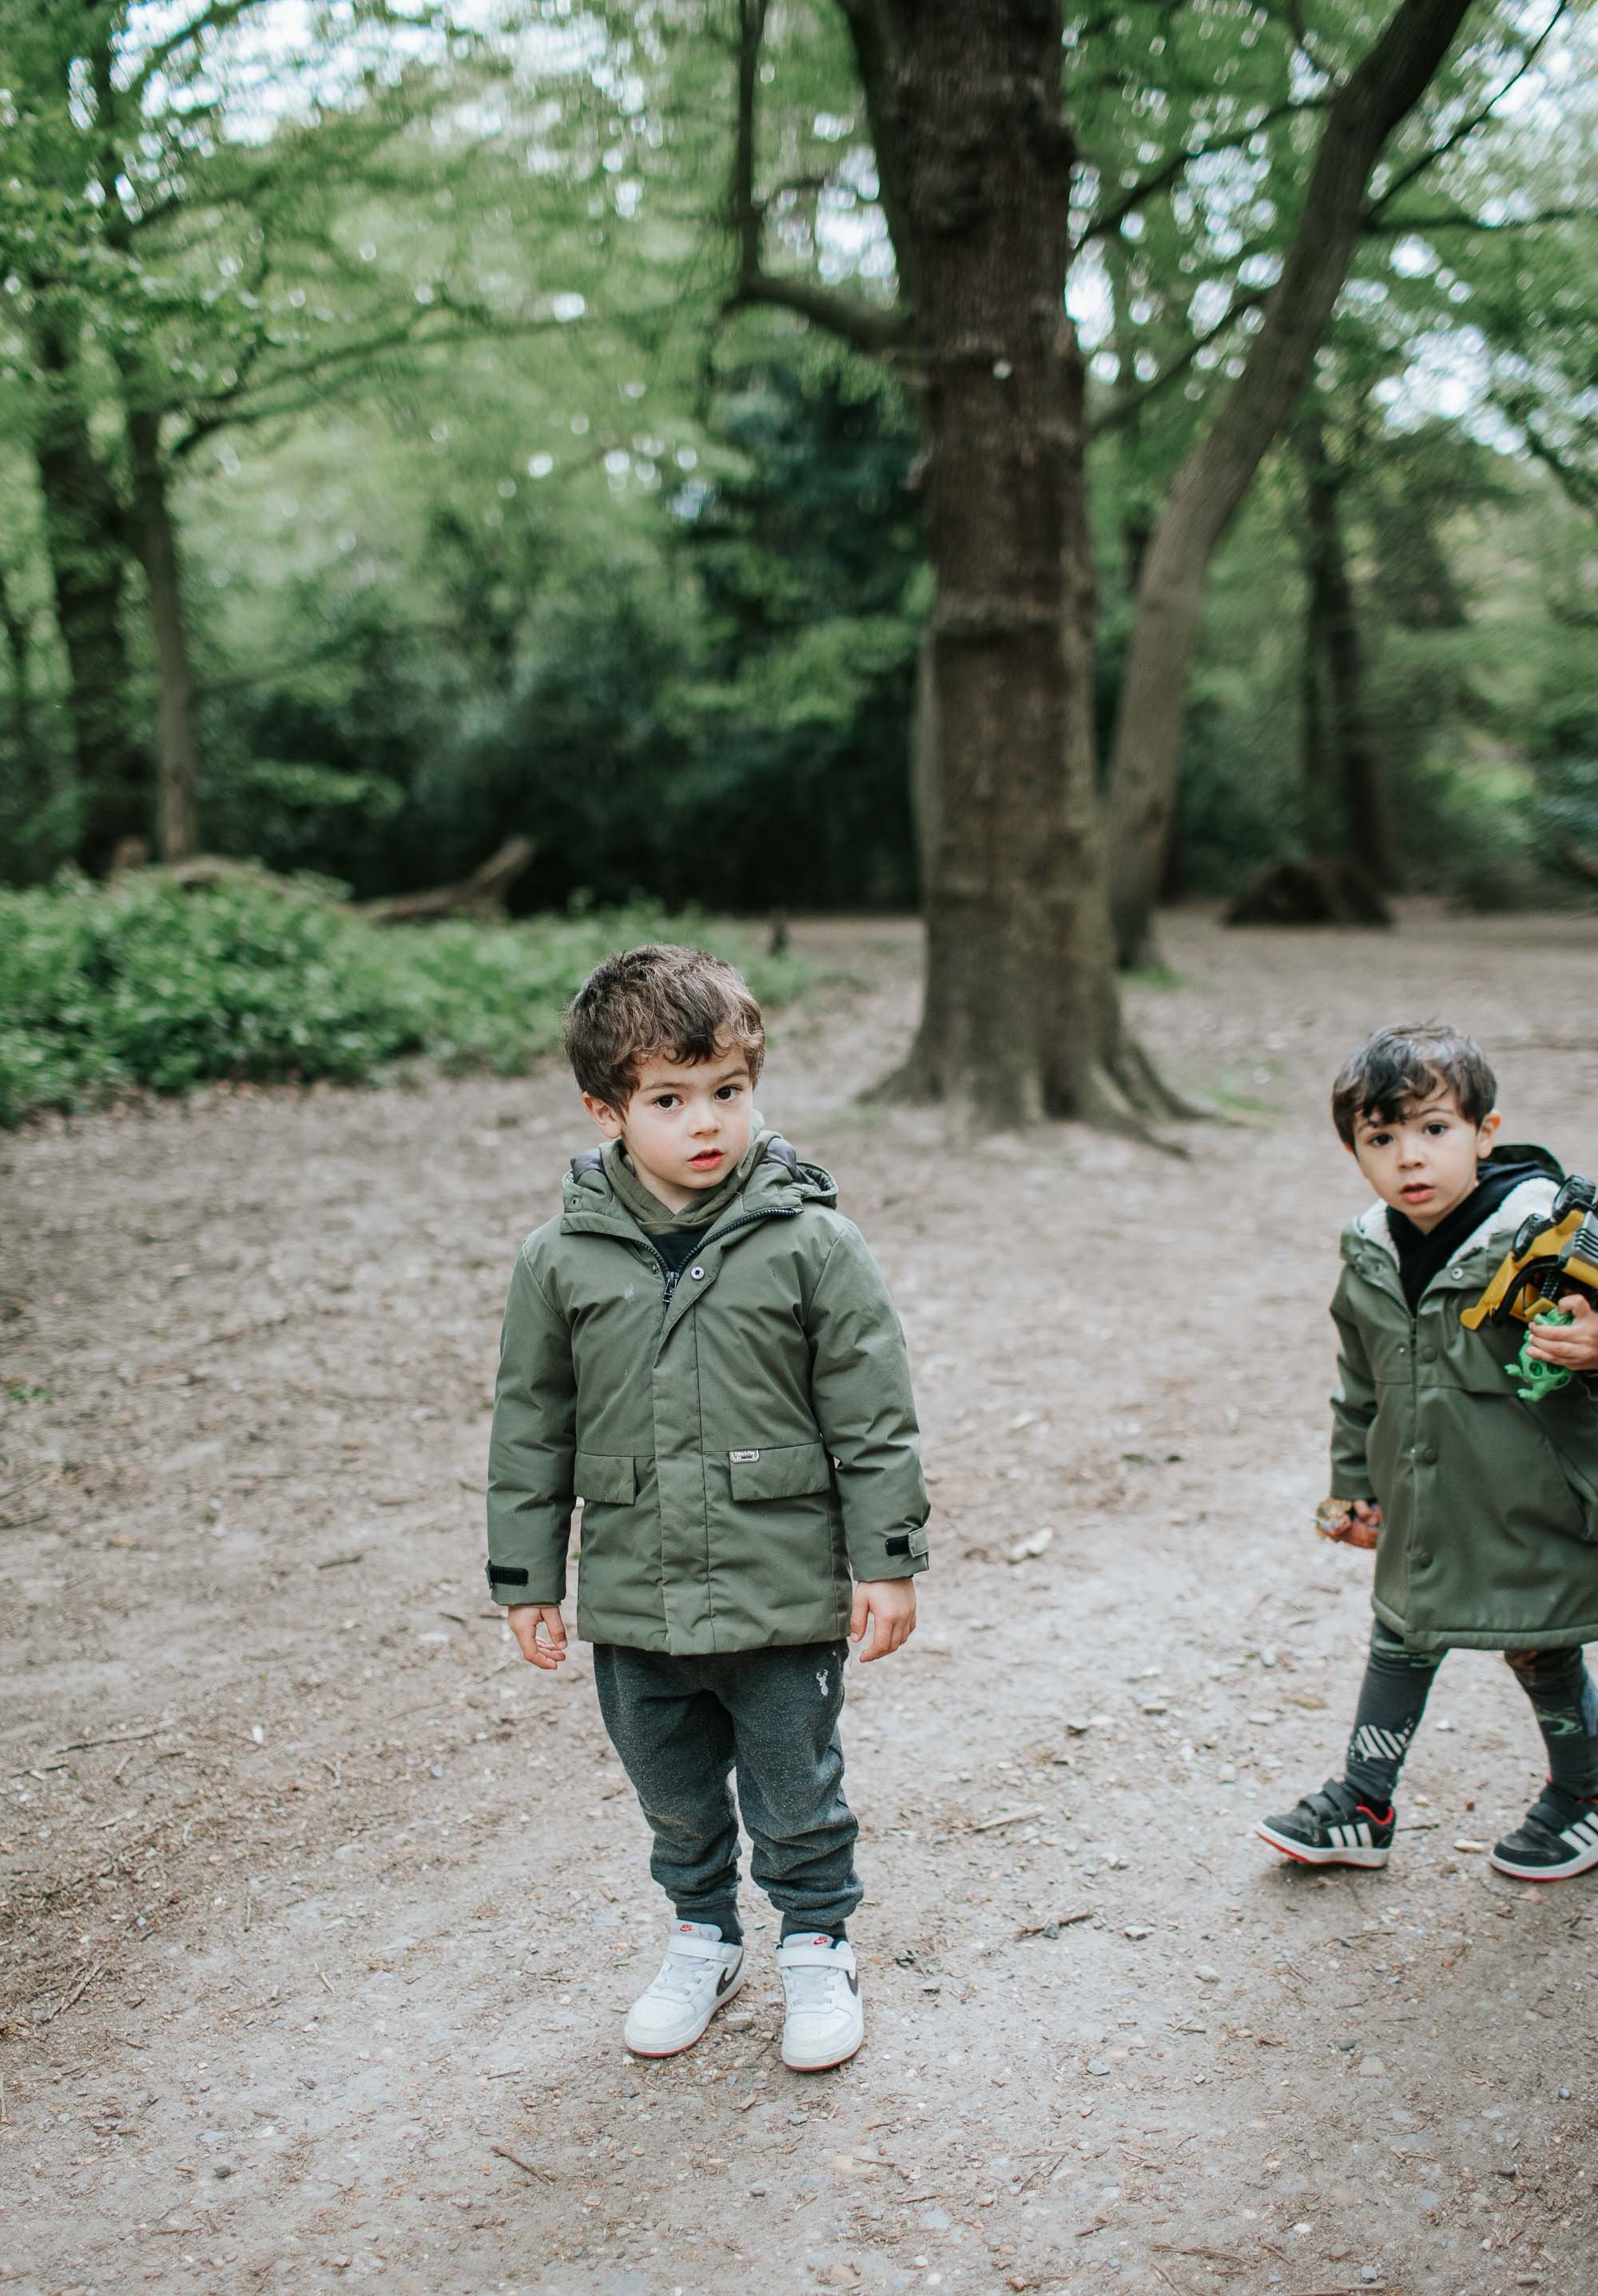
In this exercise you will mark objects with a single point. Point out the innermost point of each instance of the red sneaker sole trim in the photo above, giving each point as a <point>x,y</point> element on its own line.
<point>832,2063</point>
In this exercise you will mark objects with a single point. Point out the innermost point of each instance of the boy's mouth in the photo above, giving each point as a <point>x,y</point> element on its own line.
<point>1415,1190</point>
<point>707,1159</point>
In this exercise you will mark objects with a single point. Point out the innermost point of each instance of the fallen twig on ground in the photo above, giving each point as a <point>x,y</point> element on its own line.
<point>82,1987</point>
<point>517,2161</point>
<point>1005,1817</point>
<point>122,1738</point>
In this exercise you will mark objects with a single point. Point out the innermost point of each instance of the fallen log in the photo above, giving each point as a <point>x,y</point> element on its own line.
<point>480,895</point>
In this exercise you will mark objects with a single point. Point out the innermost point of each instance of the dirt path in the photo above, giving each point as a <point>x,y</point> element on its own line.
<point>320,1909</point>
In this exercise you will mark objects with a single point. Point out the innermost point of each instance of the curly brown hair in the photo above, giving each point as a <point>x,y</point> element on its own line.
<point>1397,1067</point>
<point>658,1002</point>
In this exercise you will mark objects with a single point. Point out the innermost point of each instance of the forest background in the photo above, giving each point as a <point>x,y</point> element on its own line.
<point>420,428</point>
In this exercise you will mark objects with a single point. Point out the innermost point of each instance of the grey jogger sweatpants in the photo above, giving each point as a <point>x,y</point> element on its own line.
<point>684,1727</point>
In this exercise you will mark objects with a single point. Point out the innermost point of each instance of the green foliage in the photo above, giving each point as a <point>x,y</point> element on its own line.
<point>710,699</point>
<point>149,985</point>
<point>300,817</point>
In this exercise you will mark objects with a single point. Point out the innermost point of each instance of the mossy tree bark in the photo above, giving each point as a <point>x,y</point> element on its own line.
<point>1348,818</point>
<point>86,541</point>
<point>155,537</point>
<point>1021,1017</point>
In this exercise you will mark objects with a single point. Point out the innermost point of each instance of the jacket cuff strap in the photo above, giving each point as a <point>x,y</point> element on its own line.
<point>899,1555</point>
<point>519,1582</point>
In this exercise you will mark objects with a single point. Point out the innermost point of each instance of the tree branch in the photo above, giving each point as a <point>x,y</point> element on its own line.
<point>1396,227</point>
<point>1162,177</point>
<point>1132,403</point>
<point>220,16</point>
<point>1579,486</point>
<point>873,328</point>
<point>1467,127</point>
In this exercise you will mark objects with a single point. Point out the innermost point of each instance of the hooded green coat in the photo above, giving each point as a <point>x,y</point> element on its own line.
<point>743,1440</point>
<point>1490,1532</point>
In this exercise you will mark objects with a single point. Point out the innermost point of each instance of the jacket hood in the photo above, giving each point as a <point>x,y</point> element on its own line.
<point>1543,1175</point>
<point>770,1178</point>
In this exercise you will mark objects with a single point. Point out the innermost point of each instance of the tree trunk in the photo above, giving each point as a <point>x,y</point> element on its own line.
<point>926,769</point>
<point>155,537</point>
<point>1213,481</point>
<point>1353,819</point>
<point>85,543</point>
<point>1021,1017</point>
<point>19,650</point>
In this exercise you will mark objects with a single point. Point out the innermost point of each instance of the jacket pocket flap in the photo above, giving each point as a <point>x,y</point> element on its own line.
<point>790,1471</point>
<point>603,1479</point>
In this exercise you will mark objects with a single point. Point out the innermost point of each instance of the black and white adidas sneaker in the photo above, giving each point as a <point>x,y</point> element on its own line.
<point>1332,1827</point>
<point>1557,1837</point>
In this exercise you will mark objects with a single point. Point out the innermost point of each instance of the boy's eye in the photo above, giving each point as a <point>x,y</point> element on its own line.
<point>667,1100</point>
<point>1378,1139</point>
<point>1436,1125</point>
<point>728,1091</point>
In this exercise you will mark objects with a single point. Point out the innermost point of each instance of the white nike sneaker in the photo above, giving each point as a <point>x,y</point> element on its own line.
<point>825,2023</point>
<point>699,1976</point>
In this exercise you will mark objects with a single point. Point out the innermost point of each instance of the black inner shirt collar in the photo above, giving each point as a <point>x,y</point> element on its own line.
<point>1423,1255</point>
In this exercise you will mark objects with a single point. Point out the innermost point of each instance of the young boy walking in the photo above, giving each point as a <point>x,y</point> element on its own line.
<point>1482,1508</point>
<point>700,1354</point>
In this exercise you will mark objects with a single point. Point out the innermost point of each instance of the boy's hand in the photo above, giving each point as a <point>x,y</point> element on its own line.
<point>524,1621</point>
<point>1360,1526</point>
<point>889,1605</point>
<point>1575,1344</point>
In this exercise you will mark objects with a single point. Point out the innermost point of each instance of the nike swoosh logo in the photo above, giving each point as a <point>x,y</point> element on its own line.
<point>853,1982</point>
<point>724,1980</point>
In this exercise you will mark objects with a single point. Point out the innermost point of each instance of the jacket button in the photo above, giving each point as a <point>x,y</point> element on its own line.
<point>1429,1455</point>
<point>696,1273</point>
<point>1429,1355</point>
<point>1422,1559</point>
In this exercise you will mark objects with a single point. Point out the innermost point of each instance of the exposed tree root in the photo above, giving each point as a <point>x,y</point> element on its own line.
<point>1149,1093</point>
<point>1124,1093</point>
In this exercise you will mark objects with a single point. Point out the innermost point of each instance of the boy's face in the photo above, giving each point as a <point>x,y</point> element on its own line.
<point>686,1125</point>
<point>1423,1161</point>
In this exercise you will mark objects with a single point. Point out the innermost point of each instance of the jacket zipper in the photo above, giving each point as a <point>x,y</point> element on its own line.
<point>670,1278</point>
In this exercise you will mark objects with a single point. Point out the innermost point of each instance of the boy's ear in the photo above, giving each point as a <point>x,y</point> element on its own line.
<point>1490,1124</point>
<point>608,1119</point>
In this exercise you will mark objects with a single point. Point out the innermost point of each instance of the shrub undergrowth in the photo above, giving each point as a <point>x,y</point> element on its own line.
<point>150,985</point>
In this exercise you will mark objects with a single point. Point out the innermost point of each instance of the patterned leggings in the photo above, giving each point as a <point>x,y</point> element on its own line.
<point>1392,1699</point>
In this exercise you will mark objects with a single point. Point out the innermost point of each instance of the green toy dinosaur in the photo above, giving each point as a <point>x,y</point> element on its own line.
<point>1541,1378</point>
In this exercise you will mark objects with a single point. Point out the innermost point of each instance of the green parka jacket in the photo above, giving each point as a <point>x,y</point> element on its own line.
<point>1490,1532</point>
<point>741,1438</point>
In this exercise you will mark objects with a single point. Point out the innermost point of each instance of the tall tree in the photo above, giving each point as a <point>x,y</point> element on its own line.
<point>1346,806</point>
<point>1063,1051</point>
<point>1371,102</point>
<point>205,269</point>
<point>1021,1018</point>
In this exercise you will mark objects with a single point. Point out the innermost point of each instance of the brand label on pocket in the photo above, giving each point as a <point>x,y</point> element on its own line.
<point>743,1458</point>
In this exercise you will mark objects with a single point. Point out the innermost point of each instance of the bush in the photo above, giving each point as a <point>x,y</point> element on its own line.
<point>1564,816</point>
<point>150,985</point>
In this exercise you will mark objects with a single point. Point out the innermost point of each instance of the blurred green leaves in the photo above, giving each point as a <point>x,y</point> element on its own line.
<point>150,985</point>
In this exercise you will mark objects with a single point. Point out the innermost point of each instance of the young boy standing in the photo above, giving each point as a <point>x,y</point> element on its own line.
<point>701,1353</point>
<point>1482,1508</point>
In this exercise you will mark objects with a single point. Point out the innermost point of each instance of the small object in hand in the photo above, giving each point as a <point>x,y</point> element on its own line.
<point>1541,1378</point>
<point>1332,1518</point>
